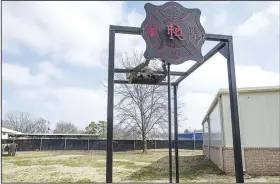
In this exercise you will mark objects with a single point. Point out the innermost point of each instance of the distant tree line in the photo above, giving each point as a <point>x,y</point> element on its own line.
<point>24,122</point>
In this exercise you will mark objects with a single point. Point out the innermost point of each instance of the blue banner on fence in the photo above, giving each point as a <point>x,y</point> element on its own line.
<point>190,136</point>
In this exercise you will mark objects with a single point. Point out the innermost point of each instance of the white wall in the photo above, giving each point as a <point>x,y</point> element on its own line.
<point>227,120</point>
<point>259,119</point>
<point>4,136</point>
<point>215,126</point>
<point>205,134</point>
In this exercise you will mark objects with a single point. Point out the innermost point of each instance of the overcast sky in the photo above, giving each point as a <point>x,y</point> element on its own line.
<point>55,55</point>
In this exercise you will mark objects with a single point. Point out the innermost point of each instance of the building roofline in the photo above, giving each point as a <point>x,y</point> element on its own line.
<point>239,91</point>
<point>252,89</point>
<point>20,134</point>
<point>53,135</point>
<point>9,131</point>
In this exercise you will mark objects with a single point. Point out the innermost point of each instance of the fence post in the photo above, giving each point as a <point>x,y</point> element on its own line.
<point>134,144</point>
<point>155,145</point>
<point>193,141</point>
<point>41,144</point>
<point>65,144</point>
<point>88,144</point>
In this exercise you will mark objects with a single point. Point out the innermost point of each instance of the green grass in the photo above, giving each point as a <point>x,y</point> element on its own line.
<point>190,168</point>
<point>129,164</point>
<point>85,181</point>
<point>69,166</point>
<point>65,180</point>
<point>23,162</point>
<point>85,160</point>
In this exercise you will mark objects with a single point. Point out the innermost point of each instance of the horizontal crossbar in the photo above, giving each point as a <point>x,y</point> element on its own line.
<point>126,30</point>
<point>217,37</point>
<point>127,82</point>
<point>119,70</point>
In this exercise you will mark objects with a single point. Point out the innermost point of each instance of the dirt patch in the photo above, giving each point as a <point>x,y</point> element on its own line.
<point>81,173</point>
<point>68,156</point>
<point>54,173</point>
<point>142,163</point>
<point>127,161</point>
<point>59,157</point>
<point>122,160</point>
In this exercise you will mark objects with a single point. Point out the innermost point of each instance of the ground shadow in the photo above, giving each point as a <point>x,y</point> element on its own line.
<point>190,168</point>
<point>6,155</point>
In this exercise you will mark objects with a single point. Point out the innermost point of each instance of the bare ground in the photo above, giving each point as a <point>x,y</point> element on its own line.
<point>84,166</point>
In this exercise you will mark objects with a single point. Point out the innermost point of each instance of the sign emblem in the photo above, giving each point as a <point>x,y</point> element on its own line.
<point>172,33</point>
<point>175,30</point>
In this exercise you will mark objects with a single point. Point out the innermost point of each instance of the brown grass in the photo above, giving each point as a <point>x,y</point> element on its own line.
<point>83,166</point>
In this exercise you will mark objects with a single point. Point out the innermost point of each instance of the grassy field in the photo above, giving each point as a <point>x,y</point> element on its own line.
<point>84,166</point>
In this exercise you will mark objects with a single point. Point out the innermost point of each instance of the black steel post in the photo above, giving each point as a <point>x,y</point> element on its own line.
<point>169,124</point>
<point>176,134</point>
<point>110,108</point>
<point>234,114</point>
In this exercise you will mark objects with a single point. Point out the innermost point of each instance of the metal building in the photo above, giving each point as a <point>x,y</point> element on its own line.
<point>259,113</point>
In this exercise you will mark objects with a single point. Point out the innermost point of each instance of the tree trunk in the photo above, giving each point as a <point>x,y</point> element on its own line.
<point>144,145</point>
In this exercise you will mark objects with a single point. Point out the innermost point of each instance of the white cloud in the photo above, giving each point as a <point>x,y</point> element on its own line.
<point>203,20</point>
<point>215,70</point>
<point>218,2</point>
<point>76,105</point>
<point>47,68</point>
<point>126,42</point>
<point>257,23</point>
<point>70,31</point>
<point>274,8</point>
<point>21,75</point>
<point>67,31</point>
<point>260,22</point>
<point>220,19</point>
<point>4,102</point>
<point>199,89</point>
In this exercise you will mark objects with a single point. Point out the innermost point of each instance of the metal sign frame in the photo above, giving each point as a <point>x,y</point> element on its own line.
<point>225,47</point>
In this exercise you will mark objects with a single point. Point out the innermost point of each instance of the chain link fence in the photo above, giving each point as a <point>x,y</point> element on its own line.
<point>89,144</point>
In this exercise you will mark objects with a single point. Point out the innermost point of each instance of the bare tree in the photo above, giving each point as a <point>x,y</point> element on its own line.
<point>42,125</point>
<point>141,108</point>
<point>25,123</point>
<point>124,132</point>
<point>65,128</point>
